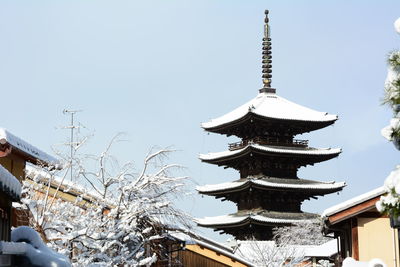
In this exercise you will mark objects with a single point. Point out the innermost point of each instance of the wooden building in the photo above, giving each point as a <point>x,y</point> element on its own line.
<point>10,190</point>
<point>14,154</point>
<point>60,188</point>
<point>269,192</point>
<point>362,232</point>
<point>189,249</point>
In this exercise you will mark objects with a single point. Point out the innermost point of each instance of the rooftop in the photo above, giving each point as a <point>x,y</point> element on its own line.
<point>250,249</point>
<point>270,105</point>
<point>272,149</point>
<point>354,201</point>
<point>272,182</point>
<point>194,238</point>
<point>243,217</point>
<point>29,151</point>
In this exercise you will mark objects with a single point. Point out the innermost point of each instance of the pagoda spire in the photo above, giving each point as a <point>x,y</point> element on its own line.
<point>267,58</point>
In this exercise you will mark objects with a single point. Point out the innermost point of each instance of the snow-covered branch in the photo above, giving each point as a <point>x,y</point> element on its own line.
<point>109,215</point>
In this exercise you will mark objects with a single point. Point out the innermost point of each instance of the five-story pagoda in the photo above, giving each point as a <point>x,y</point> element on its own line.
<point>269,193</point>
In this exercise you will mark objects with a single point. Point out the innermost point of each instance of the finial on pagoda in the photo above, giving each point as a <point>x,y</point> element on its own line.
<point>267,58</point>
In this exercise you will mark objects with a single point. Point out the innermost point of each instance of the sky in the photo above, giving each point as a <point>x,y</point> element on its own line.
<point>155,70</point>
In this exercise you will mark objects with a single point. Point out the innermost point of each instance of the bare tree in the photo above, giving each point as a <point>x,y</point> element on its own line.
<point>115,214</point>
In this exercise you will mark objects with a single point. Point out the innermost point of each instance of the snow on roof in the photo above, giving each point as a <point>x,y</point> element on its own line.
<point>270,105</point>
<point>327,249</point>
<point>354,201</point>
<point>28,243</point>
<point>26,148</point>
<point>67,185</point>
<point>272,149</point>
<point>190,237</point>
<point>252,249</point>
<point>266,183</point>
<point>9,184</point>
<point>246,247</point>
<point>208,243</point>
<point>236,219</point>
<point>35,172</point>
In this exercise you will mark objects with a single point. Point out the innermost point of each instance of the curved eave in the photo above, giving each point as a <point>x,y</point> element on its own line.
<point>227,155</point>
<point>235,187</point>
<point>309,125</point>
<point>271,106</point>
<point>227,221</point>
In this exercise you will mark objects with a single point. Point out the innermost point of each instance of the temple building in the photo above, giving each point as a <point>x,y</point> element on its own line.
<point>269,192</point>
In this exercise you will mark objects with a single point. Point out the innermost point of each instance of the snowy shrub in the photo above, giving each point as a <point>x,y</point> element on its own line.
<point>394,59</point>
<point>392,83</point>
<point>392,95</point>
<point>390,203</point>
<point>392,131</point>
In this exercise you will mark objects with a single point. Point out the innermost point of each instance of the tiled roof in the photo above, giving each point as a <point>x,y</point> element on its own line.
<point>244,217</point>
<point>270,105</point>
<point>194,238</point>
<point>270,182</point>
<point>354,201</point>
<point>26,148</point>
<point>271,149</point>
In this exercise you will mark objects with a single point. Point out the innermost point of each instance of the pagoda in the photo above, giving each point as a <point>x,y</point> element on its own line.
<point>269,192</point>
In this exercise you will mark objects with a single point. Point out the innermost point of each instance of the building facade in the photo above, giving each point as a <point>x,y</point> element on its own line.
<point>362,232</point>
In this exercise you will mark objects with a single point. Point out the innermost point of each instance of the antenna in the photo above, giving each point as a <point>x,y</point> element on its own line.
<point>71,142</point>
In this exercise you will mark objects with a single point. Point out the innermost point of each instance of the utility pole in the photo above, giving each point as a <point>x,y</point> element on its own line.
<point>71,142</point>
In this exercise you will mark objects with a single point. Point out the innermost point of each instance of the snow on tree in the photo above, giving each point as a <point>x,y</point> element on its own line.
<point>117,215</point>
<point>392,94</point>
<point>390,203</point>
<point>307,232</point>
<point>286,248</point>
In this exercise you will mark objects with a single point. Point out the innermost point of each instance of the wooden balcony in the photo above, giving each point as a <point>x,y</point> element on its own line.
<point>269,141</point>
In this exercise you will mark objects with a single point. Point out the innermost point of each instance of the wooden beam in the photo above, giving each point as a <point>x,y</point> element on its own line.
<point>368,205</point>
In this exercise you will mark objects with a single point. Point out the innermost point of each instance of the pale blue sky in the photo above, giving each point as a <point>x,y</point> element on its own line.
<point>156,69</point>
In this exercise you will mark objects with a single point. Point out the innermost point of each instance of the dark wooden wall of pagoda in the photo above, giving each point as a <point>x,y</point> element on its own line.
<point>273,201</point>
<point>251,232</point>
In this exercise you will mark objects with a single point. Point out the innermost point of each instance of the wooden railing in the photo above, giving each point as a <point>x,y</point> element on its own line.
<point>269,141</point>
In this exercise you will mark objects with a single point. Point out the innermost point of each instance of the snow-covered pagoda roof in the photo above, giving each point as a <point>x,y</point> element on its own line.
<point>271,182</point>
<point>261,217</point>
<point>271,149</point>
<point>29,151</point>
<point>9,184</point>
<point>271,106</point>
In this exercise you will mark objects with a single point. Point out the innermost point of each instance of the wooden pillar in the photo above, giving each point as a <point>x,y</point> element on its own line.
<point>354,239</point>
